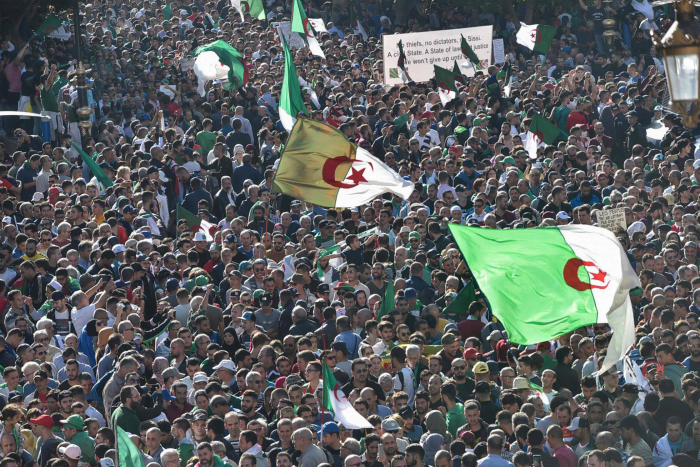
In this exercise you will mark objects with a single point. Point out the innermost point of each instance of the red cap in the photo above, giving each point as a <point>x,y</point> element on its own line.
<point>53,192</point>
<point>44,420</point>
<point>470,353</point>
<point>544,346</point>
<point>426,114</point>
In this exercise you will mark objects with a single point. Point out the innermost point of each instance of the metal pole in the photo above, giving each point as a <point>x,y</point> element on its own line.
<point>83,110</point>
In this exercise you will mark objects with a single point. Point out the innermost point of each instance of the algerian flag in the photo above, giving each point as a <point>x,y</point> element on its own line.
<point>195,223</point>
<point>541,133</point>
<point>543,283</point>
<point>317,24</point>
<point>319,165</point>
<point>335,402</point>
<point>96,170</point>
<point>643,7</point>
<point>256,9</point>
<point>633,374</point>
<point>314,98</point>
<point>469,54</point>
<point>356,25</point>
<point>52,27</point>
<point>536,37</point>
<point>291,101</point>
<point>302,25</point>
<point>539,392</point>
<point>127,452</point>
<point>445,80</point>
<point>221,61</point>
<point>401,63</point>
<point>458,72</point>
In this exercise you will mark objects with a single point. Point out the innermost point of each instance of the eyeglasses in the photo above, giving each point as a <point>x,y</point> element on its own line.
<point>459,368</point>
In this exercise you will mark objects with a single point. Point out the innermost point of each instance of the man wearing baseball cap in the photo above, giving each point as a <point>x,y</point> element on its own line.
<point>42,428</point>
<point>72,454</point>
<point>74,431</point>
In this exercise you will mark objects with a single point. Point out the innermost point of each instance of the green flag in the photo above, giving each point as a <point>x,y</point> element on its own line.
<point>460,305</point>
<point>387,301</point>
<point>470,55</point>
<point>459,76</point>
<point>291,100</point>
<point>299,20</point>
<point>127,452</point>
<point>543,283</point>
<point>96,170</point>
<point>256,9</point>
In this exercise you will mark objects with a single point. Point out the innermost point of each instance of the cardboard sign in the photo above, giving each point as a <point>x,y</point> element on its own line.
<point>294,40</point>
<point>612,219</point>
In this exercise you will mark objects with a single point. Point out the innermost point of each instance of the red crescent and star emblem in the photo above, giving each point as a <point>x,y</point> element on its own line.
<point>442,86</point>
<point>308,28</point>
<point>599,278</point>
<point>356,175</point>
<point>539,136</point>
<point>245,6</point>
<point>536,36</point>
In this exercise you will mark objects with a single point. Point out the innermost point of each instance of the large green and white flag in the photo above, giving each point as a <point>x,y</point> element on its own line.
<point>291,100</point>
<point>543,283</point>
<point>302,25</point>
<point>536,37</point>
<point>219,61</point>
<point>335,402</point>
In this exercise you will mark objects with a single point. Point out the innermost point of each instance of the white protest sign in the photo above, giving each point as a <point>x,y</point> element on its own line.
<point>294,40</point>
<point>186,64</point>
<point>499,53</point>
<point>612,219</point>
<point>442,48</point>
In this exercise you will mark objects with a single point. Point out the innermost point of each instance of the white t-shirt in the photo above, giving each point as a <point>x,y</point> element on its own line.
<point>81,317</point>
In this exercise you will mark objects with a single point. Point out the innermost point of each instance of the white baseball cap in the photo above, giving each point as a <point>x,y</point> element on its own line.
<point>200,377</point>
<point>72,451</point>
<point>563,215</point>
<point>228,364</point>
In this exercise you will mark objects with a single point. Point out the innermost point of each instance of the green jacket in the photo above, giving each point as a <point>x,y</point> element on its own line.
<point>186,452</point>
<point>86,445</point>
<point>456,419</point>
<point>126,419</point>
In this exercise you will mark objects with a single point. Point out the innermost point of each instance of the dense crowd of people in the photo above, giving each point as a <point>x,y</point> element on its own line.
<point>207,347</point>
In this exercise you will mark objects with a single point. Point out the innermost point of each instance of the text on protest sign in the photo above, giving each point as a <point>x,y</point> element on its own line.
<point>612,219</point>
<point>441,48</point>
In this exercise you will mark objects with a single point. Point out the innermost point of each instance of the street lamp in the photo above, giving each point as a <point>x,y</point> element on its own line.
<point>680,47</point>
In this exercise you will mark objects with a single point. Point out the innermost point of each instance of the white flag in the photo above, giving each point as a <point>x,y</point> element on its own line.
<point>643,7</point>
<point>236,4</point>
